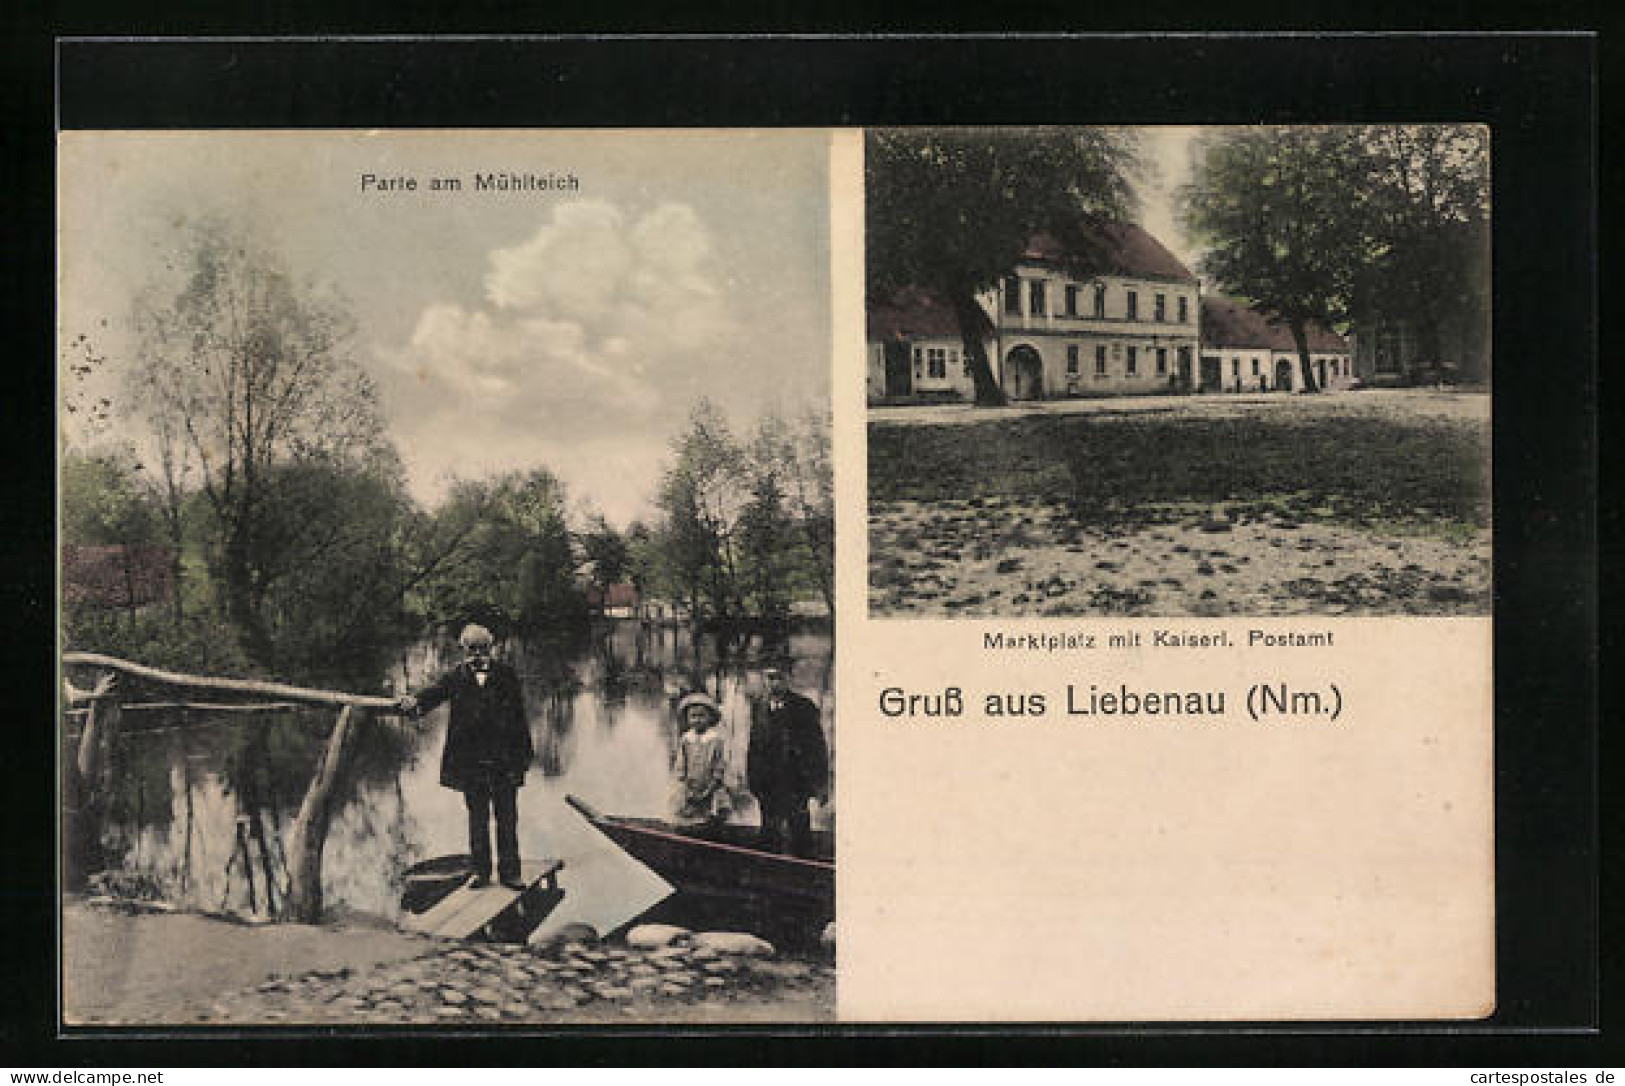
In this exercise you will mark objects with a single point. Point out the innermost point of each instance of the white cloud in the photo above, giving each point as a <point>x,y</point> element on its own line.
<point>599,323</point>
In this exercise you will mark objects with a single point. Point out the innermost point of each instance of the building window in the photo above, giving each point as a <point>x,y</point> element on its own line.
<point>919,361</point>
<point>1184,310</point>
<point>1162,361</point>
<point>1071,300</point>
<point>1133,305</point>
<point>1161,307</point>
<point>1133,365</point>
<point>1100,361</point>
<point>1100,299</point>
<point>966,362</point>
<point>1035,298</point>
<point>1235,367</point>
<point>1012,296</point>
<point>936,362</point>
<point>1255,365</point>
<point>1072,358</point>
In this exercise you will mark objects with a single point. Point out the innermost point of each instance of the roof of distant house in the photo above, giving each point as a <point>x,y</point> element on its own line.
<point>1125,249</point>
<point>1227,322</point>
<point>912,311</point>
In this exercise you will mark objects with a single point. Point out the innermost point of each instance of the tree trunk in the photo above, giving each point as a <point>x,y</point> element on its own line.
<point>1300,336</point>
<point>973,329</point>
<point>309,834</point>
<point>241,610</point>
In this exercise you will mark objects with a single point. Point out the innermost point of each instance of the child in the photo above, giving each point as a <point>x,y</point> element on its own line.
<point>702,762</point>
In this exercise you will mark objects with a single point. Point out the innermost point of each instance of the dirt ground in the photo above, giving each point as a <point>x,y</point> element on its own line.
<point>1364,503</point>
<point>125,968</point>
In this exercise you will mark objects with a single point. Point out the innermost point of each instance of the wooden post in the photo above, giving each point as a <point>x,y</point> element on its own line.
<point>309,835</point>
<point>94,778</point>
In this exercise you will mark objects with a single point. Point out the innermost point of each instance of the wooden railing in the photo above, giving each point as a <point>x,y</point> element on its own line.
<point>104,719</point>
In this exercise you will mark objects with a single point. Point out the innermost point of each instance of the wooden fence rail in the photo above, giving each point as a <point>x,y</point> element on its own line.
<point>92,766</point>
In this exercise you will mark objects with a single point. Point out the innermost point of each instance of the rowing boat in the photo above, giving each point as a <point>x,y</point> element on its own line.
<point>722,877</point>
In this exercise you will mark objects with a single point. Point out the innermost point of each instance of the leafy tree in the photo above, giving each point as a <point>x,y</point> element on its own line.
<point>607,553</point>
<point>1282,211</point>
<point>765,538</point>
<point>502,548</point>
<point>795,455</point>
<point>952,210</point>
<point>103,501</point>
<point>702,496</point>
<point>1428,220</point>
<point>334,567</point>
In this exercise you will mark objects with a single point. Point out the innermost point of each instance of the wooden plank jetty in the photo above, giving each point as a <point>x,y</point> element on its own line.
<point>493,913</point>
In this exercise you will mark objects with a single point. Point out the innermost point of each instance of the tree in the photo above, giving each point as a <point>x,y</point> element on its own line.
<point>765,538</point>
<point>1429,231</point>
<point>502,549</point>
<point>247,370</point>
<point>795,455</point>
<point>607,555</point>
<point>333,565</point>
<point>1282,211</point>
<point>952,211</point>
<point>702,495</point>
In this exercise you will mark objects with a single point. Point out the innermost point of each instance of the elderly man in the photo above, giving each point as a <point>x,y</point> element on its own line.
<point>488,749</point>
<point>787,763</point>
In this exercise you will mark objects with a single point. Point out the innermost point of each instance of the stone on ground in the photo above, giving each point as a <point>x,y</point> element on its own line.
<point>738,943</point>
<point>654,936</point>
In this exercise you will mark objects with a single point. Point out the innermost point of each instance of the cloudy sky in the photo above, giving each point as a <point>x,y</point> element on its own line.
<point>572,329</point>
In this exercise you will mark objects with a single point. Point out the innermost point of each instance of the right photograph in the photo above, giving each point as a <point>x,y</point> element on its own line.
<point>1179,371</point>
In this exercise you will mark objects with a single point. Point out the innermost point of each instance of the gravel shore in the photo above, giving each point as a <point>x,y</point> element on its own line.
<point>130,968</point>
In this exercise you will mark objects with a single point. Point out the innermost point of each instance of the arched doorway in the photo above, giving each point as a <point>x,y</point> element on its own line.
<point>1283,374</point>
<point>1023,373</point>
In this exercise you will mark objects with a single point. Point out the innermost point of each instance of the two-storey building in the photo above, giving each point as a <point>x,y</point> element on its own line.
<point>1130,328</point>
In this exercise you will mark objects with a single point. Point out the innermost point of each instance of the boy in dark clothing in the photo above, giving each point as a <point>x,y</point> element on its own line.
<point>787,763</point>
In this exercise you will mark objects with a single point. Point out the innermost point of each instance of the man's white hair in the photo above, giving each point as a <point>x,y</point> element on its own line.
<point>475,634</point>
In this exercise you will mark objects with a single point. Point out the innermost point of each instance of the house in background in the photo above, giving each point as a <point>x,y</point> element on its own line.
<point>118,576</point>
<point>1244,351</point>
<point>1389,352</point>
<point>1131,328</point>
<point>915,351</point>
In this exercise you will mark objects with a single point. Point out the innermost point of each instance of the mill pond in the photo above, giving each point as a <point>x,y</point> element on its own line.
<point>203,804</point>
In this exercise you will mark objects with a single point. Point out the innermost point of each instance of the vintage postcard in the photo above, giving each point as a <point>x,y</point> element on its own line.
<point>447,578</point>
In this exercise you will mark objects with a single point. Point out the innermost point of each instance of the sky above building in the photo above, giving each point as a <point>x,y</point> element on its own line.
<point>571,321</point>
<point>1167,150</point>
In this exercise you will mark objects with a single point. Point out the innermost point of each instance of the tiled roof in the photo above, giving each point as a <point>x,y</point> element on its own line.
<point>115,576</point>
<point>912,311</point>
<point>1125,249</point>
<point>1229,323</point>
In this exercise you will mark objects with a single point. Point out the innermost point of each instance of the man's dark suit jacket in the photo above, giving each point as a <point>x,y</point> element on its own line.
<point>488,739</point>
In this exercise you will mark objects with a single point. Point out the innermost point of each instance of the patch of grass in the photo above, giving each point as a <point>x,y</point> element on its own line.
<point>1393,475</point>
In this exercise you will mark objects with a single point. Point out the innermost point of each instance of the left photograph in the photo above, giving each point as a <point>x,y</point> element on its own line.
<point>447,578</point>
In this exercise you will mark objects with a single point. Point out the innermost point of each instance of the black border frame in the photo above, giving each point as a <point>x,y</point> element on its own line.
<point>1538,92</point>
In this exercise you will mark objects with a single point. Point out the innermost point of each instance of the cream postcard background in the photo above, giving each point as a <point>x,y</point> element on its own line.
<point>1071,868</point>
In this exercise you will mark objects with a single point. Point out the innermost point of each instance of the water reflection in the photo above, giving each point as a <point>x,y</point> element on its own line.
<point>205,803</point>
